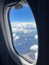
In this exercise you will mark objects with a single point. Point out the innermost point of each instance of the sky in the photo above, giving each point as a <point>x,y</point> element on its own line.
<point>21,15</point>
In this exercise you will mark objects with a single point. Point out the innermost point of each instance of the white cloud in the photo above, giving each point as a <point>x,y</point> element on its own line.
<point>25,31</point>
<point>36,36</point>
<point>36,55</point>
<point>16,38</point>
<point>19,30</point>
<point>14,34</point>
<point>19,44</point>
<point>21,27</point>
<point>13,29</point>
<point>34,24</point>
<point>34,48</point>
<point>30,30</point>
<point>23,24</point>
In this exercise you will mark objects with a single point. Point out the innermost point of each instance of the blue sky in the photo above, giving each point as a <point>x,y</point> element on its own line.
<point>21,15</point>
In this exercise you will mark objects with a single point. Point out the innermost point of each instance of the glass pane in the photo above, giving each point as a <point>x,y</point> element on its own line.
<point>24,32</point>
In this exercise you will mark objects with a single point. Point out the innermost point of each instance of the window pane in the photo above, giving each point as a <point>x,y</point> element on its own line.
<point>24,32</point>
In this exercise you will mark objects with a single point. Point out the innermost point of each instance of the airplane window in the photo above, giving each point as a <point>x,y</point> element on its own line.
<point>24,32</point>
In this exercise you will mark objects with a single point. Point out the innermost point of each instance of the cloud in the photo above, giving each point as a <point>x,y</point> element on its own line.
<point>36,36</point>
<point>36,55</point>
<point>25,31</point>
<point>14,34</point>
<point>16,38</point>
<point>34,48</point>
<point>13,29</point>
<point>23,24</point>
<point>22,27</point>
<point>34,24</point>
<point>19,44</point>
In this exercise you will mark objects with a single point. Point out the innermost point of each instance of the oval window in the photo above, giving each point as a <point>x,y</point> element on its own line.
<point>24,31</point>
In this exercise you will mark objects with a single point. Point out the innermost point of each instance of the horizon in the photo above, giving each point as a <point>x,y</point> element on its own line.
<point>33,24</point>
<point>24,22</point>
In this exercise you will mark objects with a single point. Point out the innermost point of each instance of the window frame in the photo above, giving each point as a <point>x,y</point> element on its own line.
<point>14,54</point>
<point>8,37</point>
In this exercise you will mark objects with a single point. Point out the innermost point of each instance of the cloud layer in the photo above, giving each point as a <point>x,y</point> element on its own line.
<point>25,28</point>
